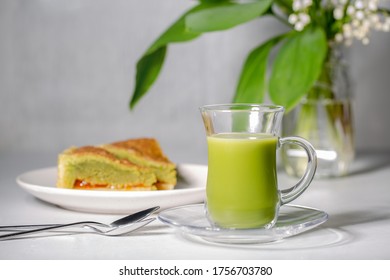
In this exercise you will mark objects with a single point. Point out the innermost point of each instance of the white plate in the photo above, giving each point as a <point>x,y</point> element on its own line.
<point>192,220</point>
<point>189,189</point>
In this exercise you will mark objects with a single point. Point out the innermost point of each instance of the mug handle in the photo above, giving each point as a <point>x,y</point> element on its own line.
<point>288,195</point>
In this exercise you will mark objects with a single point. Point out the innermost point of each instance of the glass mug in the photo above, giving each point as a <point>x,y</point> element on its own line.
<point>242,141</point>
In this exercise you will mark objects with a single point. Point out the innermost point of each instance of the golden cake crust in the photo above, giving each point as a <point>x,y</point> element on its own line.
<point>148,148</point>
<point>97,151</point>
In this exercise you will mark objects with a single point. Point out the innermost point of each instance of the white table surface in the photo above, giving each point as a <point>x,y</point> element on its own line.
<point>358,227</point>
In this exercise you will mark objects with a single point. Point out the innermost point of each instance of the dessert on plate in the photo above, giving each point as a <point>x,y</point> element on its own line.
<point>131,165</point>
<point>146,152</point>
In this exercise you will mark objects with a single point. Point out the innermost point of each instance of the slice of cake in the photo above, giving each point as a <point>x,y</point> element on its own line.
<point>95,168</point>
<point>146,152</point>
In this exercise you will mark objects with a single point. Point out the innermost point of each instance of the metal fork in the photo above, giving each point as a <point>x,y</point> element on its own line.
<point>122,226</point>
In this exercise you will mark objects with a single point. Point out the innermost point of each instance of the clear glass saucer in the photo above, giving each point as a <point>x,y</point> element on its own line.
<point>293,220</point>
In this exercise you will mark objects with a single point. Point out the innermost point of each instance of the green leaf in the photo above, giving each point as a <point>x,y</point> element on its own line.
<point>282,6</point>
<point>252,83</point>
<point>176,33</point>
<point>297,66</point>
<point>225,15</point>
<point>148,68</point>
<point>150,64</point>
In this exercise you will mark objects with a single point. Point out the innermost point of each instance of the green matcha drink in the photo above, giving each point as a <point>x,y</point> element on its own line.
<point>241,183</point>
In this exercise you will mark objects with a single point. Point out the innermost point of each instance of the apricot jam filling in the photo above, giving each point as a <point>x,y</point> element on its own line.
<point>83,185</point>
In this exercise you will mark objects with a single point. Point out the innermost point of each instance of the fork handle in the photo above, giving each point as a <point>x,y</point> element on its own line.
<point>26,227</point>
<point>46,228</point>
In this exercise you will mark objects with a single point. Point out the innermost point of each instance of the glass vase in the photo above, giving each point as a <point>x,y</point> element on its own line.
<point>324,117</point>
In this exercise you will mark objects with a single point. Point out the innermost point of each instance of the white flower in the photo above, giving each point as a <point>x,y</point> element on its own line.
<point>356,17</point>
<point>359,5</point>
<point>364,16</point>
<point>372,5</point>
<point>299,26</point>
<point>293,18</point>
<point>374,18</point>
<point>360,15</point>
<point>304,18</point>
<point>350,10</point>
<point>297,5</point>
<point>300,18</point>
<point>338,13</point>
<point>339,37</point>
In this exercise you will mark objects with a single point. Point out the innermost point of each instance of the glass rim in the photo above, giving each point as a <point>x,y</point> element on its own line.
<point>229,107</point>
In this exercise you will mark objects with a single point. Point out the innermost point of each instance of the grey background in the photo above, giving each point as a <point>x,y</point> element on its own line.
<point>67,73</point>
